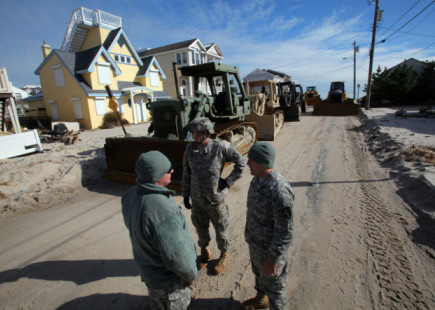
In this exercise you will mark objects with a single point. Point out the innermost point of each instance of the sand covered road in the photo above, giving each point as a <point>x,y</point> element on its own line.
<point>357,243</point>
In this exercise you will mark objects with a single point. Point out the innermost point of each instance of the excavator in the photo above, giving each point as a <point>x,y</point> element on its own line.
<point>266,110</point>
<point>337,103</point>
<point>225,104</point>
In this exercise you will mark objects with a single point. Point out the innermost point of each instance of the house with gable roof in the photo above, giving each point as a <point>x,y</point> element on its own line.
<point>185,53</point>
<point>96,52</point>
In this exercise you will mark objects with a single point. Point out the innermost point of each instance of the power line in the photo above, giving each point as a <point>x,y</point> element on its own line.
<point>422,49</point>
<point>414,34</point>
<point>410,20</point>
<point>401,17</point>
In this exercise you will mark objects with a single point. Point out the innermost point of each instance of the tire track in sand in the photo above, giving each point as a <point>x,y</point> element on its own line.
<point>387,262</point>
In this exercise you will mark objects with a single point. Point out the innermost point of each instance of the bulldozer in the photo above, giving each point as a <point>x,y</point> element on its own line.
<point>266,111</point>
<point>288,101</point>
<point>224,106</point>
<point>337,102</point>
<point>312,96</point>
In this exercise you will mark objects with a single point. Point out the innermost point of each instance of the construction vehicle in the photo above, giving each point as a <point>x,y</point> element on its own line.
<point>337,103</point>
<point>312,96</point>
<point>300,100</point>
<point>224,106</point>
<point>266,111</point>
<point>288,101</point>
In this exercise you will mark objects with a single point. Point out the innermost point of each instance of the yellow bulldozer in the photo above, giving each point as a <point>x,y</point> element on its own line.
<point>337,103</point>
<point>266,111</point>
<point>312,96</point>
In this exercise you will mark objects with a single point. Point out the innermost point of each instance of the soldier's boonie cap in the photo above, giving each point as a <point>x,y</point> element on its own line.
<point>262,153</point>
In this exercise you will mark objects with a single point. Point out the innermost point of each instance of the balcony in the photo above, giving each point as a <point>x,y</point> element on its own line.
<point>81,20</point>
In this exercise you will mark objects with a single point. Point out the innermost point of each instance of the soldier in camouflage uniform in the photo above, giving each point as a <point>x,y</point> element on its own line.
<point>269,228</point>
<point>163,248</point>
<point>203,163</point>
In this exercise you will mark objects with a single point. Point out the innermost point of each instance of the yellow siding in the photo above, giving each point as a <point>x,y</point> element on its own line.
<point>36,109</point>
<point>95,37</point>
<point>62,95</point>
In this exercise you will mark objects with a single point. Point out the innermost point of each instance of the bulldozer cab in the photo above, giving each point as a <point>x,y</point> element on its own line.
<point>219,95</point>
<point>223,84</point>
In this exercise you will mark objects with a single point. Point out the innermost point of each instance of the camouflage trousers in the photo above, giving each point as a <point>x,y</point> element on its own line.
<point>274,286</point>
<point>173,297</point>
<point>204,212</point>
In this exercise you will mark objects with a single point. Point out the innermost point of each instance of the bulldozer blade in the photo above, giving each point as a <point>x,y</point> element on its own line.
<point>336,109</point>
<point>267,125</point>
<point>122,154</point>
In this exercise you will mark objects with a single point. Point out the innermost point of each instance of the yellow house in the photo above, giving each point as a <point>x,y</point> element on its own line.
<point>97,53</point>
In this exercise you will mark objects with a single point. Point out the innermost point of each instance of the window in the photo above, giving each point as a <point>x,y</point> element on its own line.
<point>54,111</point>
<point>179,58</point>
<point>58,76</point>
<point>128,60</point>
<point>197,58</point>
<point>184,57</point>
<point>154,76</point>
<point>100,106</point>
<point>77,108</point>
<point>121,41</point>
<point>104,73</point>
<point>122,59</point>
<point>116,58</point>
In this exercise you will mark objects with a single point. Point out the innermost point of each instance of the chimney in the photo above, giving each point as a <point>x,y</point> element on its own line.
<point>46,50</point>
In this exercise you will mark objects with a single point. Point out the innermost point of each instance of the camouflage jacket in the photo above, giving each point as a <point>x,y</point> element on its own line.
<point>269,218</point>
<point>202,168</point>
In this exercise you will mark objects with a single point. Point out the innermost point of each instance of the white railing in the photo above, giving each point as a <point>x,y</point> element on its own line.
<point>86,16</point>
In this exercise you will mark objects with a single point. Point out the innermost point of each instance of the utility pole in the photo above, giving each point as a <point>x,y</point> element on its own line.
<point>372,51</point>
<point>355,50</point>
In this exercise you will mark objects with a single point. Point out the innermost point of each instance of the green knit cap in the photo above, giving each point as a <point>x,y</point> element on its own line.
<point>151,166</point>
<point>262,153</point>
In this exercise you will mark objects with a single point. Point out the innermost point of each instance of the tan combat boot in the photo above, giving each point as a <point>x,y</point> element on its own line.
<point>258,302</point>
<point>203,259</point>
<point>221,263</point>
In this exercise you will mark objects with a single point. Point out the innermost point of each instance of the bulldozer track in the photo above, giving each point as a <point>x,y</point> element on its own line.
<point>388,257</point>
<point>221,130</point>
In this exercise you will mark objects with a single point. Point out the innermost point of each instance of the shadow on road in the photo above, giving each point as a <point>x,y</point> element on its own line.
<point>307,183</point>
<point>126,301</point>
<point>79,272</point>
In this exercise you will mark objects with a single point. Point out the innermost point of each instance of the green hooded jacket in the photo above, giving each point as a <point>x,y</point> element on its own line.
<point>162,245</point>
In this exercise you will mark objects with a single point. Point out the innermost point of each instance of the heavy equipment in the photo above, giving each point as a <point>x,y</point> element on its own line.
<point>312,96</point>
<point>300,100</point>
<point>266,111</point>
<point>288,100</point>
<point>226,106</point>
<point>337,103</point>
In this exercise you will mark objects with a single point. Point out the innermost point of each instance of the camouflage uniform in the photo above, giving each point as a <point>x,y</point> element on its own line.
<point>202,169</point>
<point>268,232</point>
<point>172,297</point>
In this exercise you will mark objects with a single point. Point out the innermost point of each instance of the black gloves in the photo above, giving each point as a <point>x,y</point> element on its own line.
<point>187,203</point>
<point>222,184</point>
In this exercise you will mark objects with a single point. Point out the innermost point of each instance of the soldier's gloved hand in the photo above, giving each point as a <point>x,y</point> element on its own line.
<point>188,284</point>
<point>222,184</point>
<point>187,203</point>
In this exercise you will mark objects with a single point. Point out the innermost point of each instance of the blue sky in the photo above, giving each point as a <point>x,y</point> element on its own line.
<point>306,39</point>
